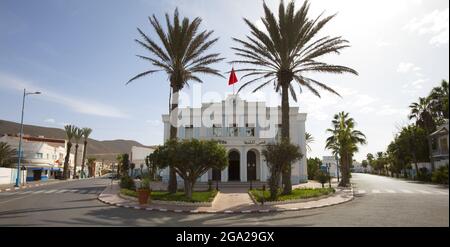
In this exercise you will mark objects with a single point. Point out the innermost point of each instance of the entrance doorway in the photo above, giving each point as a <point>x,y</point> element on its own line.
<point>234,166</point>
<point>37,174</point>
<point>251,166</point>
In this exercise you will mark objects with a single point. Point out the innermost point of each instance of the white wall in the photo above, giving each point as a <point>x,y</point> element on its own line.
<point>8,175</point>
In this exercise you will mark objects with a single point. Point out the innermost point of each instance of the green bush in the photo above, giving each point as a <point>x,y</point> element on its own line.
<point>424,175</point>
<point>126,182</point>
<point>322,177</point>
<point>440,175</point>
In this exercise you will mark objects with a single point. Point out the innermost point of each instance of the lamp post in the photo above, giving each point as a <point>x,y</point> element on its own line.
<point>21,134</point>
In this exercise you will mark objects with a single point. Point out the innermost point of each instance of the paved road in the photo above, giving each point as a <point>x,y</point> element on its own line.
<point>380,201</point>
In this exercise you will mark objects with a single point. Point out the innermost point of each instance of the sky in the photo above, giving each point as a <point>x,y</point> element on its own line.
<point>81,53</point>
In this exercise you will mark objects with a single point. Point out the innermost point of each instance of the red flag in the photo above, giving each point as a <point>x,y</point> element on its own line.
<point>233,78</point>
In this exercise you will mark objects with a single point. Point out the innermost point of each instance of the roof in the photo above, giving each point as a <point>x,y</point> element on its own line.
<point>441,130</point>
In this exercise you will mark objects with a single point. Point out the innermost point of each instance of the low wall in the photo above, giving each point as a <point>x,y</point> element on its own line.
<point>8,175</point>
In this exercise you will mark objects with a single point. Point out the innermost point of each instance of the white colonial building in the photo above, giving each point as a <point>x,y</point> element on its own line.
<point>244,128</point>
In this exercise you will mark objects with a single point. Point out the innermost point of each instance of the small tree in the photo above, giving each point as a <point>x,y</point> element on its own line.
<point>322,177</point>
<point>191,159</point>
<point>313,166</point>
<point>279,157</point>
<point>124,164</point>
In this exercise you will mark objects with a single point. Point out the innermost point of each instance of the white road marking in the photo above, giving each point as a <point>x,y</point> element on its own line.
<point>38,191</point>
<point>61,191</point>
<point>361,191</point>
<point>391,191</point>
<point>25,192</point>
<point>424,191</point>
<point>440,192</point>
<point>406,191</point>
<point>376,191</point>
<point>50,191</point>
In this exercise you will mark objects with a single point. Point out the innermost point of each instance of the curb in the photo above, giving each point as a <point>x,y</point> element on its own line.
<point>149,208</point>
<point>40,184</point>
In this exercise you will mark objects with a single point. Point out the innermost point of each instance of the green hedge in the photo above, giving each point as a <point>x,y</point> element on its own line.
<point>197,196</point>
<point>300,193</point>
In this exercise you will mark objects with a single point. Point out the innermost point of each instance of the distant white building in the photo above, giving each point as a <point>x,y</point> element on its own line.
<point>358,168</point>
<point>138,154</point>
<point>440,146</point>
<point>330,163</point>
<point>42,157</point>
<point>244,129</point>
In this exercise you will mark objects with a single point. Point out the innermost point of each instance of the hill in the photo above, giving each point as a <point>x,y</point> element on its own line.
<point>100,149</point>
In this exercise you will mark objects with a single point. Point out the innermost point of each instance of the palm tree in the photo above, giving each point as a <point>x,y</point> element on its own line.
<point>344,141</point>
<point>282,57</point>
<point>370,158</point>
<point>182,57</point>
<point>439,100</point>
<point>86,132</point>
<point>77,136</point>
<point>70,132</point>
<point>423,114</point>
<point>7,154</point>
<point>91,166</point>
<point>309,139</point>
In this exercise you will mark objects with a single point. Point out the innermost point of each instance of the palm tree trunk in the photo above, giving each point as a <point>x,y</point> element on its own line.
<point>75,162</point>
<point>344,170</point>
<point>66,161</point>
<point>172,187</point>
<point>84,157</point>
<point>286,176</point>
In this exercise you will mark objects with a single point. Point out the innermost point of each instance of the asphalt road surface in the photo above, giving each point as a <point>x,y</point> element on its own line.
<point>379,201</point>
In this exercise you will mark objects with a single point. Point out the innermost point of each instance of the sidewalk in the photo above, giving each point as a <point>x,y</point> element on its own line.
<point>230,200</point>
<point>10,187</point>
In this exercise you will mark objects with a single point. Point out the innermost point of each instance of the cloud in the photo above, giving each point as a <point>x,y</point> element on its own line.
<point>77,104</point>
<point>435,24</point>
<point>407,67</point>
<point>154,123</point>
<point>50,120</point>
<point>382,43</point>
<point>388,110</point>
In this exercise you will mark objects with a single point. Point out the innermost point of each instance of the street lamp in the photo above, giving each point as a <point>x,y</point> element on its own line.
<point>21,134</point>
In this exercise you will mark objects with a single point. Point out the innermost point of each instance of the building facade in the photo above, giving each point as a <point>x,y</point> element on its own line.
<point>330,163</point>
<point>43,158</point>
<point>244,129</point>
<point>439,140</point>
<point>138,156</point>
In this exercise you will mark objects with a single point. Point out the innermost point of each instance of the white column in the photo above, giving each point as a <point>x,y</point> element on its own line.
<point>243,164</point>
<point>224,177</point>
<point>263,170</point>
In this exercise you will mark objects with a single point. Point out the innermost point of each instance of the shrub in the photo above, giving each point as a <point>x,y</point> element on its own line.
<point>322,177</point>
<point>440,175</point>
<point>126,182</point>
<point>424,175</point>
<point>145,183</point>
